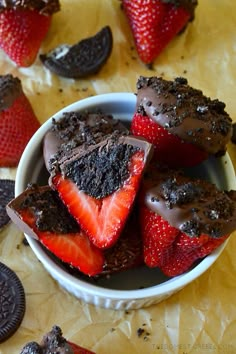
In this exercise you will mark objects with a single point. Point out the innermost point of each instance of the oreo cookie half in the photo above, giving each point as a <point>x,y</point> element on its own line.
<point>7,188</point>
<point>12,302</point>
<point>82,59</point>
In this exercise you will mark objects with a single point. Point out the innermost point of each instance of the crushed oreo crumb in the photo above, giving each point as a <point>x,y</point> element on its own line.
<point>102,171</point>
<point>51,214</point>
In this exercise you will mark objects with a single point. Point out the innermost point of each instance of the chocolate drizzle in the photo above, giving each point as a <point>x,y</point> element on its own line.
<point>185,112</point>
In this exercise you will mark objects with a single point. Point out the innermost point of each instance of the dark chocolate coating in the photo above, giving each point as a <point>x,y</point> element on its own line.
<point>12,302</point>
<point>82,59</point>
<point>10,89</point>
<point>188,5</point>
<point>185,112</point>
<point>193,206</point>
<point>44,7</point>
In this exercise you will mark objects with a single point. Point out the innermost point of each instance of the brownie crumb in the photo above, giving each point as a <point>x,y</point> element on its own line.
<point>50,212</point>
<point>140,331</point>
<point>102,171</point>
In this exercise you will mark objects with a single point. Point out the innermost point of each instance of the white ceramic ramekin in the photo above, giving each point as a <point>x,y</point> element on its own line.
<point>131,289</point>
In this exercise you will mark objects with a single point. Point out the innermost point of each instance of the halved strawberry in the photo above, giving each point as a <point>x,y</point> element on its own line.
<point>40,213</point>
<point>168,148</point>
<point>77,349</point>
<point>102,219</point>
<point>17,121</point>
<point>23,28</point>
<point>154,23</point>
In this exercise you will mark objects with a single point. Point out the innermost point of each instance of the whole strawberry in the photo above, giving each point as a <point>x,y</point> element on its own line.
<point>17,121</point>
<point>23,27</point>
<point>184,125</point>
<point>154,23</point>
<point>182,219</point>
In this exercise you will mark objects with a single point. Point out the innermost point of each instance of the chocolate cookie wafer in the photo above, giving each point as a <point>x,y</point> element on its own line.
<point>12,302</point>
<point>7,187</point>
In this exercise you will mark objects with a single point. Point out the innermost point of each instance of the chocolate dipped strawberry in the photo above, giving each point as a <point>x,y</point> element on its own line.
<point>182,219</point>
<point>184,125</point>
<point>154,23</point>
<point>23,27</point>
<point>17,121</point>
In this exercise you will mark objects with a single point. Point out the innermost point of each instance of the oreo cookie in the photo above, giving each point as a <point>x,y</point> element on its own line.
<point>82,59</point>
<point>7,188</point>
<point>12,302</point>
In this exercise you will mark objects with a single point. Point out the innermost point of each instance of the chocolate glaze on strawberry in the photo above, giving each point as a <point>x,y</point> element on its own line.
<point>76,129</point>
<point>188,5</point>
<point>185,112</point>
<point>193,206</point>
<point>44,7</point>
<point>101,169</point>
<point>10,89</point>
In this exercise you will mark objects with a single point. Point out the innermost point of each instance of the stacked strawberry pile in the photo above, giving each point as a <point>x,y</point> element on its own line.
<point>108,186</point>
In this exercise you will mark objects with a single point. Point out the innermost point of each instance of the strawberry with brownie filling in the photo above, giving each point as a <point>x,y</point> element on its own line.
<point>154,23</point>
<point>99,185</point>
<point>182,219</point>
<point>23,27</point>
<point>40,213</point>
<point>184,126</point>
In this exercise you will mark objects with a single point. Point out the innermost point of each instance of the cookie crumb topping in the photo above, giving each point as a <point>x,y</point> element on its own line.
<point>186,112</point>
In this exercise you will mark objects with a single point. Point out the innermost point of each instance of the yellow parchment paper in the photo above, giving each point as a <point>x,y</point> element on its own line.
<point>201,318</point>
